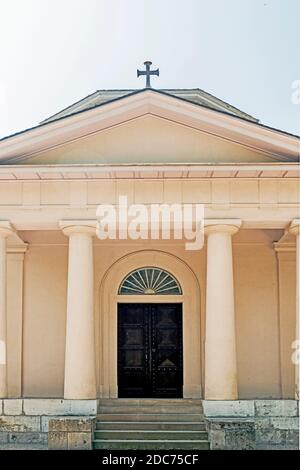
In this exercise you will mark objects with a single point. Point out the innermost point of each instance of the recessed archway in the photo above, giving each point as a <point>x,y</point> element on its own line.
<point>108,305</point>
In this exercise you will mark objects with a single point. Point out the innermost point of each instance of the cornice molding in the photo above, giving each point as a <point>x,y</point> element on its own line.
<point>149,171</point>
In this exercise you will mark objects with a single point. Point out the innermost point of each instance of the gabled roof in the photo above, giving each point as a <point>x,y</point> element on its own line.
<point>92,115</point>
<point>194,95</point>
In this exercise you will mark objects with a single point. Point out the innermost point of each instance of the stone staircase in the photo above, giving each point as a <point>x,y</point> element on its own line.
<point>147,424</point>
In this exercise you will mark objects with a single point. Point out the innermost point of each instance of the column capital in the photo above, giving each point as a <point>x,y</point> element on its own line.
<point>294,227</point>
<point>70,227</point>
<point>230,226</point>
<point>6,229</point>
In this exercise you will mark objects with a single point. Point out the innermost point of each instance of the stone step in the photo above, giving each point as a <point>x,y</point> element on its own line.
<point>149,401</point>
<point>157,424</point>
<point>151,435</point>
<point>118,444</point>
<point>157,417</point>
<point>128,409</point>
<point>151,426</point>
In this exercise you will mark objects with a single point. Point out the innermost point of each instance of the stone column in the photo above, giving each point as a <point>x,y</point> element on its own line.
<point>5,231</point>
<point>80,377</point>
<point>220,346</point>
<point>295,230</point>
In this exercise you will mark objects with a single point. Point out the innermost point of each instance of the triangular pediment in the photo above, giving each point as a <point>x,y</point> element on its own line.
<point>149,139</point>
<point>149,127</point>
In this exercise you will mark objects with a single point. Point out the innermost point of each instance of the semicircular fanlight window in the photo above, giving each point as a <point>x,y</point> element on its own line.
<point>151,281</point>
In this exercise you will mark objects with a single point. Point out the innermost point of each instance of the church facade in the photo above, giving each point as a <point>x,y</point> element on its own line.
<point>84,320</point>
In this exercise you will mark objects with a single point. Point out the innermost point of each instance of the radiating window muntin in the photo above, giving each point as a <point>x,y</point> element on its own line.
<point>149,281</point>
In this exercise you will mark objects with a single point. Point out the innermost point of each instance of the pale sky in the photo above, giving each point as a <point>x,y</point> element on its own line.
<point>55,52</point>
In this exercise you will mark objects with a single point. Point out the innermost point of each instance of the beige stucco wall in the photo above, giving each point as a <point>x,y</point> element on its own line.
<point>45,288</point>
<point>264,333</point>
<point>257,316</point>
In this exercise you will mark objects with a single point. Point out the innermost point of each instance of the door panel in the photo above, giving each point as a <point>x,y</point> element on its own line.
<point>133,333</point>
<point>150,350</point>
<point>167,348</point>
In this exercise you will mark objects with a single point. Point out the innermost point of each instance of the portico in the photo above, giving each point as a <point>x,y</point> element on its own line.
<point>60,285</point>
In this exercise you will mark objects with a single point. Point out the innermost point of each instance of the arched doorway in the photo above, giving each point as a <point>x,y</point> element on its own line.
<point>150,352</point>
<point>111,298</point>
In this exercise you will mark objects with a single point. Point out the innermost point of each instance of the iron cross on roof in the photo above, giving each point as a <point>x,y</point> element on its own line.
<point>148,72</point>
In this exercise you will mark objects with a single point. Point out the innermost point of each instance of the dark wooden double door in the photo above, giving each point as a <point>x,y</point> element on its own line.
<point>150,350</point>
